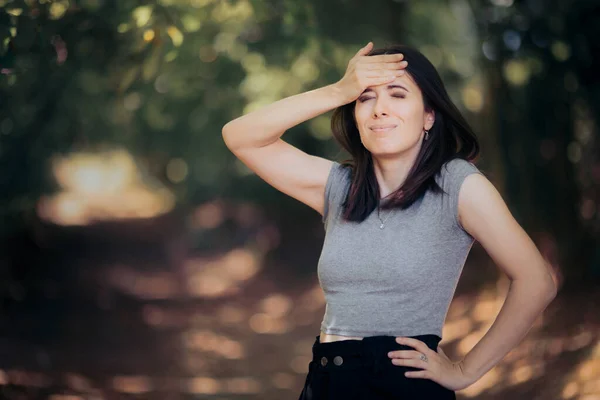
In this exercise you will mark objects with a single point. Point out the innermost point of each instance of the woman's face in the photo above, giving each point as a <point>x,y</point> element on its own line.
<point>391,118</point>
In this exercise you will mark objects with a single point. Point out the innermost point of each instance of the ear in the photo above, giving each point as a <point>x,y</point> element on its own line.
<point>429,120</point>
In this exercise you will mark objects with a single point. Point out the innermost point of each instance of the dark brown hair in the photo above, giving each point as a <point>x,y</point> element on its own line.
<point>450,137</point>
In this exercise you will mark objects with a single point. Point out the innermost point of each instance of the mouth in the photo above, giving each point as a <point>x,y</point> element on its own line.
<point>382,128</point>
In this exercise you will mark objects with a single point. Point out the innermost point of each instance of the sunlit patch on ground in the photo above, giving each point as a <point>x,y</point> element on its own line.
<point>132,384</point>
<point>530,361</point>
<point>208,341</point>
<point>221,276</point>
<point>102,186</point>
<point>585,380</point>
<point>144,285</point>
<point>232,350</point>
<point>218,325</point>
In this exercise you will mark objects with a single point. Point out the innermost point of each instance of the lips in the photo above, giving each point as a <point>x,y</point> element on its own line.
<point>382,128</point>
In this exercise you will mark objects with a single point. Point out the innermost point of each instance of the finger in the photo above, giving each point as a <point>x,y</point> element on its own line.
<point>414,343</point>
<point>385,58</point>
<point>381,80</point>
<point>401,354</point>
<point>365,50</point>
<point>418,374</point>
<point>391,74</point>
<point>384,73</point>
<point>375,66</point>
<point>410,362</point>
<point>404,354</point>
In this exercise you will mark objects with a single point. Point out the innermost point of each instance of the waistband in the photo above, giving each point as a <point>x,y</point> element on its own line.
<point>371,352</point>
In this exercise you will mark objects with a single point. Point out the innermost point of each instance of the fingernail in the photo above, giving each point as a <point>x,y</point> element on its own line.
<point>390,355</point>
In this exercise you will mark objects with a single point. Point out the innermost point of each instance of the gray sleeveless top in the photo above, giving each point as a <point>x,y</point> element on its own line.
<point>399,280</point>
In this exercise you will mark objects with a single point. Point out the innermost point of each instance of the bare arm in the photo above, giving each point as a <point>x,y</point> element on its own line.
<point>264,126</point>
<point>483,213</point>
<point>255,138</point>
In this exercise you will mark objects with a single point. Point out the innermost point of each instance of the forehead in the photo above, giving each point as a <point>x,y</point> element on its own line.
<point>405,81</point>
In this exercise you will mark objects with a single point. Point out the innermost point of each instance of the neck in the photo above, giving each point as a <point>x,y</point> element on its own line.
<point>392,172</point>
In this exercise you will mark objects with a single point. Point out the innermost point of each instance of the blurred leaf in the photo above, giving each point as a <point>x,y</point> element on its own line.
<point>15,11</point>
<point>518,68</point>
<point>153,62</point>
<point>141,15</point>
<point>175,35</point>
<point>58,9</point>
<point>128,77</point>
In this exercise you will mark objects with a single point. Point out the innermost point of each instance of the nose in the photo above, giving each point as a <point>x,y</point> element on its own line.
<point>379,108</point>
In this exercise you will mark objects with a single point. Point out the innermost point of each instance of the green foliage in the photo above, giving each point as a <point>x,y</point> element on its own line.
<point>160,78</point>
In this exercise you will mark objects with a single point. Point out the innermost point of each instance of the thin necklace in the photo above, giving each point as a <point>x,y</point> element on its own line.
<point>379,217</point>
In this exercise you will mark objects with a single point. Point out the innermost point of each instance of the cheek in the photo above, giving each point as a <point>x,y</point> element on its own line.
<point>413,121</point>
<point>361,113</point>
<point>409,111</point>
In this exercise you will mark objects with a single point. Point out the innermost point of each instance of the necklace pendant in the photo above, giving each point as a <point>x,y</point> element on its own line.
<point>381,226</point>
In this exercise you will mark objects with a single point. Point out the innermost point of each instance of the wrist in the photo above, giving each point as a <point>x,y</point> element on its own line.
<point>470,376</point>
<point>338,93</point>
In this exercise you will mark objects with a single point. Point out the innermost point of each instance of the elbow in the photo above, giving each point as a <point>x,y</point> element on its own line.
<point>543,288</point>
<point>548,282</point>
<point>553,290</point>
<point>225,131</point>
<point>232,134</point>
<point>552,281</point>
<point>550,289</point>
<point>543,295</point>
<point>548,285</point>
<point>226,135</point>
<point>551,295</point>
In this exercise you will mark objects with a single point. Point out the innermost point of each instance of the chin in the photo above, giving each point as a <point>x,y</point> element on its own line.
<point>380,149</point>
<point>387,151</point>
<point>387,154</point>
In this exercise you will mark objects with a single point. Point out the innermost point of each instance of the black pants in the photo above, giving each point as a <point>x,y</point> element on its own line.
<point>360,369</point>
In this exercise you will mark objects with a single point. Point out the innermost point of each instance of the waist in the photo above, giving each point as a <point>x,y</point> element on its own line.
<point>345,320</point>
<point>329,337</point>
<point>355,353</point>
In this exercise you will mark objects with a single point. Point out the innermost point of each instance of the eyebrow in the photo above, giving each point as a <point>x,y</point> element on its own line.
<point>394,86</point>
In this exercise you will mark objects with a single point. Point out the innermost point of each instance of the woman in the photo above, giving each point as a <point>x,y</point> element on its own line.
<point>400,219</point>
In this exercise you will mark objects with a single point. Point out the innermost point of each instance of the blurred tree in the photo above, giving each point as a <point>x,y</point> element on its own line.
<point>160,78</point>
<point>539,57</point>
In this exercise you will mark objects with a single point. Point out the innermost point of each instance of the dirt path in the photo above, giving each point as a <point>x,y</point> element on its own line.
<point>244,330</point>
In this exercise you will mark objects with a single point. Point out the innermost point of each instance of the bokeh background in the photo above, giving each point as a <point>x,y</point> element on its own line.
<point>140,260</point>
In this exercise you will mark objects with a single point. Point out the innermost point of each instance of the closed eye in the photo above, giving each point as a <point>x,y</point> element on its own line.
<point>396,95</point>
